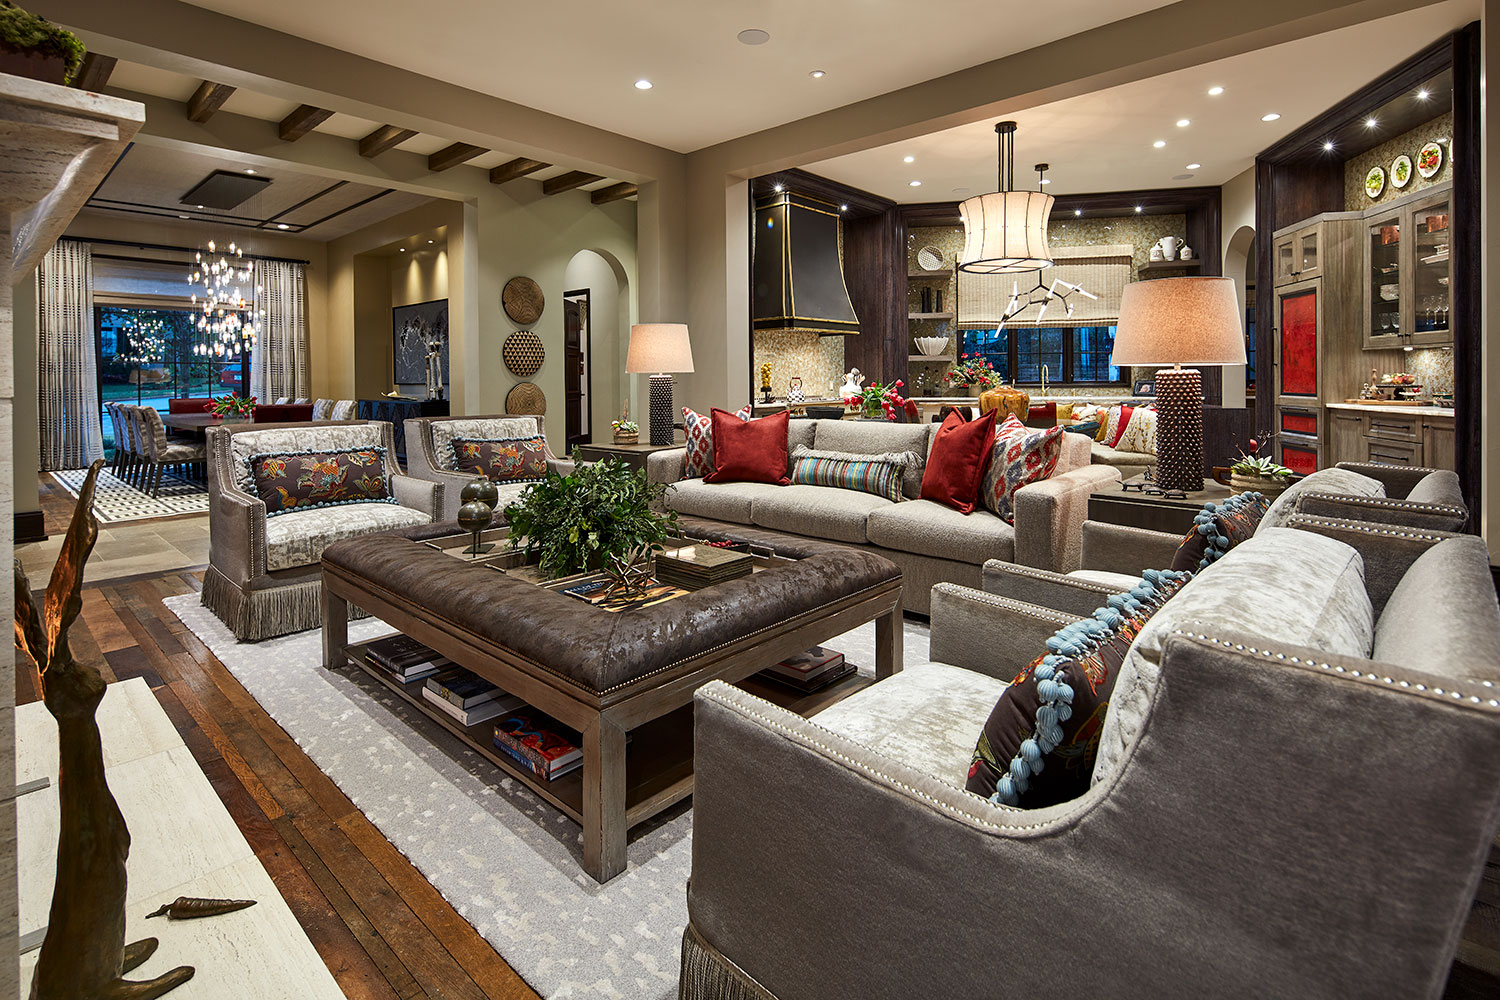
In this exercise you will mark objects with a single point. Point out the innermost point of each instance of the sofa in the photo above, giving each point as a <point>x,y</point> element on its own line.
<point>929,541</point>
<point>430,454</point>
<point>264,577</point>
<point>1297,784</point>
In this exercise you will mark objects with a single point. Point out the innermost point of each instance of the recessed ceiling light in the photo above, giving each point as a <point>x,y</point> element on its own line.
<point>1215,91</point>
<point>754,36</point>
<point>1182,177</point>
<point>1270,117</point>
<point>1159,143</point>
<point>1046,180</point>
<point>200,206</point>
<point>1422,95</point>
<point>960,190</point>
<point>1077,211</point>
<point>1193,166</point>
<point>908,159</point>
<point>1137,209</point>
<point>184,216</point>
<point>1371,122</point>
<point>777,189</point>
<point>643,85</point>
<point>1183,122</point>
<point>817,74</point>
<point>843,208</point>
<point>279,225</point>
<point>249,170</point>
<point>1328,145</point>
<point>915,184</point>
<point>402,249</point>
<point>429,241</point>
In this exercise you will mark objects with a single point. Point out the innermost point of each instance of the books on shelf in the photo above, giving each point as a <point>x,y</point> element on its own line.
<point>694,567</point>
<point>482,712</point>
<point>539,743</point>
<point>463,688</point>
<point>810,670</point>
<point>397,652</point>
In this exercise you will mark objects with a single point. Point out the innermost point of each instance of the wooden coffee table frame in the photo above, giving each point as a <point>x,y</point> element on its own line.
<point>614,790</point>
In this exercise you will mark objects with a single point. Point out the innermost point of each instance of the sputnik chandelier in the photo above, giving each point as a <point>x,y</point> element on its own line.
<point>150,341</point>
<point>229,321</point>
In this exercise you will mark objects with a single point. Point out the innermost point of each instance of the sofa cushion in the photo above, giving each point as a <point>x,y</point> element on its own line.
<point>866,437</point>
<point>1139,435</point>
<point>926,528</point>
<point>717,501</point>
<point>698,439</point>
<point>879,475</point>
<point>1021,455</point>
<point>818,511</point>
<point>505,460</point>
<point>924,716</point>
<point>299,537</point>
<point>1293,587</point>
<point>476,429</point>
<point>303,480</point>
<point>1343,482</point>
<point>1442,617</point>
<point>749,451</point>
<point>282,440</point>
<point>960,454</point>
<point>1037,746</point>
<point>1219,527</point>
<point>1103,454</point>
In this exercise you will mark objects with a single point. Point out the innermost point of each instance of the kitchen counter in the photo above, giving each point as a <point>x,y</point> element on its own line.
<point>1410,411</point>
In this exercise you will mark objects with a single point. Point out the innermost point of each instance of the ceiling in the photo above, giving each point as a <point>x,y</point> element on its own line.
<point>581,59</point>
<point>151,180</point>
<point>1104,141</point>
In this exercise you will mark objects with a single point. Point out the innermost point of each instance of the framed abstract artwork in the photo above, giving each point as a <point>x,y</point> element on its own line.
<point>413,329</point>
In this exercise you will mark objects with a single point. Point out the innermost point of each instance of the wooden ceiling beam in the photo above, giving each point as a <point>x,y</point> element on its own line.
<point>95,71</point>
<point>615,192</point>
<point>302,121</point>
<point>208,98</point>
<point>569,181</point>
<point>519,167</point>
<point>452,156</point>
<point>384,138</point>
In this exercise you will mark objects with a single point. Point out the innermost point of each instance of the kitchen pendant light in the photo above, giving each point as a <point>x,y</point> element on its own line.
<point>1006,231</point>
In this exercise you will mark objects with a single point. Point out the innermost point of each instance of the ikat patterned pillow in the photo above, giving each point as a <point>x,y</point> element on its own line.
<point>305,480</point>
<point>1022,455</point>
<point>502,460</point>
<point>698,429</point>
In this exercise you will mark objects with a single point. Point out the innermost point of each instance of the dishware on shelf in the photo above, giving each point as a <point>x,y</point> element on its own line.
<point>1169,246</point>
<point>1390,293</point>
<point>1436,223</point>
<point>930,258</point>
<point>932,346</point>
<point>1186,253</point>
<point>1401,171</point>
<point>1375,182</point>
<point>1156,253</point>
<point>1429,160</point>
<point>795,393</point>
<point>1389,234</point>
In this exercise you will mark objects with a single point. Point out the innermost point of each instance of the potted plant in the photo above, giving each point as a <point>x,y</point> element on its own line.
<point>34,47</point>
<point>1253,473</point>
<point>626,431</point>
<point>601,516</point>
<point>231,406</point>
<point>975,371</point>
<point>875,399</point>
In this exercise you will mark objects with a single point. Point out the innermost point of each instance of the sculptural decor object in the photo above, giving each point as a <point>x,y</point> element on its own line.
<point>197,907</point>
<point>84,954</point>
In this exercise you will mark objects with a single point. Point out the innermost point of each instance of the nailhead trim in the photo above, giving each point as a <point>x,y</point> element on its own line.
<point>1046,576</point>
<point>1005,603</point>
<point>1366,527</point>
<point>1396,504</point>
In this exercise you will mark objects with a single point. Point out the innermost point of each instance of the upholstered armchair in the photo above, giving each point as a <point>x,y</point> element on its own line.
<point>429,453</point>
<point>264,577</point>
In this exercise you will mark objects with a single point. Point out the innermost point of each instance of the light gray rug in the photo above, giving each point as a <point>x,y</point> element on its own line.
<point>506,860</point>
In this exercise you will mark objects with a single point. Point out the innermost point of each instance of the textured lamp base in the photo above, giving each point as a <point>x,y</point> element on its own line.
<point>1179,430</point>
<point>661,409</point>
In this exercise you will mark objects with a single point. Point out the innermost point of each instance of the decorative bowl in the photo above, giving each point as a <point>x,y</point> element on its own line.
<point>932,346</point>
<point>930,258</point>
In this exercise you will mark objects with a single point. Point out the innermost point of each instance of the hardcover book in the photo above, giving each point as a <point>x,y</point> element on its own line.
<point>482,712</point>
<point>397,652</point>
<point>549,745</point>
<point>596,592</point>
<point>463,688</point>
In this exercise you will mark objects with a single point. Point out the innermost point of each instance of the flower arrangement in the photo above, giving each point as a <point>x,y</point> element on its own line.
<point>875,398</point>
<point>626,427</point>
<point>972,371</point>
<point>1252,463</point>
<point>231,406</point>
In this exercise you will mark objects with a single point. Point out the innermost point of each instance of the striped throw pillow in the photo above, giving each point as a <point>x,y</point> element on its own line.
<point>878,474</point>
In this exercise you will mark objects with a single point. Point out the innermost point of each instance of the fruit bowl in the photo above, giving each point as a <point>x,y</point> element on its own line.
<point>932,346</point>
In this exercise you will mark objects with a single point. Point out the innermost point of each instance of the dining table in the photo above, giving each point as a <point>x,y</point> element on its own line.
<point>198,423</point>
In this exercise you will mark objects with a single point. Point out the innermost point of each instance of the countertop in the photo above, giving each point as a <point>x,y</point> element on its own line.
<point>1410,411</point>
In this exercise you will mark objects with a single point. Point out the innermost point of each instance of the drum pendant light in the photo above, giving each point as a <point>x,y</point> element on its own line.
<point>1005,232</point>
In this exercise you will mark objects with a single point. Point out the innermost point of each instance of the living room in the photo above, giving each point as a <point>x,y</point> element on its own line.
<point>983,517</point>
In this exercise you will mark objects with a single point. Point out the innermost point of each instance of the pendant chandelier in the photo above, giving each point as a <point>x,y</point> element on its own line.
<point>227,320</point>
<point>1005,232</point>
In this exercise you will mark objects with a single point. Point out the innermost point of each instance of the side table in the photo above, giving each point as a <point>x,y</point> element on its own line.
<point>1130,505</point>
<point>633,455</point>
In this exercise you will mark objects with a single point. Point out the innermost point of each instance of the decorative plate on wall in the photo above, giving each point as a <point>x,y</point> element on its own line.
<point>1429,160</point>
<point>523,300</point>
<point>523,353</point>
<point>1401,171</point>
<point>526,399</point>
<point>1375,182</point>
<point>930,259</point>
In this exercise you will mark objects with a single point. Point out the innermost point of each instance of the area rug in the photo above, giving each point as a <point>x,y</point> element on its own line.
<point>507,861</point>
<point>116,500</point>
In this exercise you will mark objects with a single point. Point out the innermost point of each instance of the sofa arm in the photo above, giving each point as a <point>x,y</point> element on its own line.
<point>1388,550</point>
<point>666,466</point>
<point>237,535</point>
<point>1045,589</point>
<point>1119,548</point>
<point>1050,516</point>
<point>1407,513</point>
<point>1398,480</point>
<point>561,466</point>
<point>989,634</point>
<point>424,495</point>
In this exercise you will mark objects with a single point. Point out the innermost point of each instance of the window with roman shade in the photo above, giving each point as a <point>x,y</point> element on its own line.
<point>1102,270</point>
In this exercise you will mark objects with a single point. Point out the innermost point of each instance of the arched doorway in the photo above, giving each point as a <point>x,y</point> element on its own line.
<point>1239,264</point>
<point>596,304</point>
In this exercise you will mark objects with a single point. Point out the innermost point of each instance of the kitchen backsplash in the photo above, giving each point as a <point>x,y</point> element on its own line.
<point>818,361</point>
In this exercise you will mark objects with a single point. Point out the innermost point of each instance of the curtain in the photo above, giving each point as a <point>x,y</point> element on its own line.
<point>68,375</point>
<point>278,365</point>
<point>1103,271</point>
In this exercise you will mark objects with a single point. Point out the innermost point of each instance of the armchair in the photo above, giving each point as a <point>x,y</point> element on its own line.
<point>264,575</point>
<point>429,452</point>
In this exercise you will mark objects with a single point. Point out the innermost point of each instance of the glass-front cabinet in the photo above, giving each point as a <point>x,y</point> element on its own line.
<point>1383,282</point>
<point>1408,295</point>
<point>1299,256</point>
<point>1432,299</point>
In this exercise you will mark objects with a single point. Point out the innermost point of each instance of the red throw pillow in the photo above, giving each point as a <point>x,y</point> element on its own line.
<point>958,461</point>
<point>749,451</point>
<point>1119,428</point>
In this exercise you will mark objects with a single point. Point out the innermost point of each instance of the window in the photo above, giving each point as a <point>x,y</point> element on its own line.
<point>1071,354</point>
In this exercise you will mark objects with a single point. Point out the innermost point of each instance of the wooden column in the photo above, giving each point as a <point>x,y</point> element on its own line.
<point>875,274</point>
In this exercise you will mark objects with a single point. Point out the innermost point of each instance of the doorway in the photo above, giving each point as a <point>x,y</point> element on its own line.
<point>577,345</point>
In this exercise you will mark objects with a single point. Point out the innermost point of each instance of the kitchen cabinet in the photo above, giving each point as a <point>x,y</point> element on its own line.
<point>1408,295</point>
<point>1299,255</point>
<point>1438,450</point>
<point>1346,437</point>
<point>1356,433</point>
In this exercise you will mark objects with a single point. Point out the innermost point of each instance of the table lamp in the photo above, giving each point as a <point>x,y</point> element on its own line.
<point>1178,321</point>
<point>658,349</point>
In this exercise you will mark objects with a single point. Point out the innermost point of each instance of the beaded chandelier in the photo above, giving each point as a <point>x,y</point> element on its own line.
<point>228,321</point>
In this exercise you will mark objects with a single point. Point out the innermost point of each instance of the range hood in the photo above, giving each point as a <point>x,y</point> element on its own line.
<point>798,271</point>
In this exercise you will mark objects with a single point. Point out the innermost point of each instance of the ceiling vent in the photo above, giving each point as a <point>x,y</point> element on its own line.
<point>799,274</point>
<point>224,189</point>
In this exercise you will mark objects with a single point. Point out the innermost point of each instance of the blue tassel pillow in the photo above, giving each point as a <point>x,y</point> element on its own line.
<point>1217,528</point>
<point>1039,743</point>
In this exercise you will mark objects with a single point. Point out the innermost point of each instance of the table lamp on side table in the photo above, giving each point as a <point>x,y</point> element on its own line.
<point>658,349</point>
<point>1178,321</point>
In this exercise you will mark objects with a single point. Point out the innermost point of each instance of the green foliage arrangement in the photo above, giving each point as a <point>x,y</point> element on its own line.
<point>1251,463</point>
<point>600,516</point>
<point>27,32</point>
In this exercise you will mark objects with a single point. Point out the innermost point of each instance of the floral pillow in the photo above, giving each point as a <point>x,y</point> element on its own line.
<point>698,430</point>
<point>1022,455</point>
<point>503,460</point>
<point>1119,419</point>
<point>303,480</point>
<point>1139,435</point>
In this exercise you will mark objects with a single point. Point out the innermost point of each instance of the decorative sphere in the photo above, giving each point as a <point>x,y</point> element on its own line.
<point>475,516</point>
<point>488,492</point>
<point>471,489</point>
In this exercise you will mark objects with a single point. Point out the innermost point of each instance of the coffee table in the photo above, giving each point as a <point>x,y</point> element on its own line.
<point>604,674</point>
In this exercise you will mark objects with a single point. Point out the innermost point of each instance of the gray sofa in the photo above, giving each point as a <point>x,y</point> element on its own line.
<point>1298,783</point>
<point>929,541</point>
<point>429,453</point>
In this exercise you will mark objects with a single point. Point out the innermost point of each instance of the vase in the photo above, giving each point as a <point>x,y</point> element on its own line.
<point>1270,486</point>
<point>32,64</point>
<point>872,410</point>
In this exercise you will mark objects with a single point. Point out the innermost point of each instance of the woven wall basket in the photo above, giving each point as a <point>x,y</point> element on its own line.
<point>526,399</point>
<point>523,353</point>
<point>523,300</point>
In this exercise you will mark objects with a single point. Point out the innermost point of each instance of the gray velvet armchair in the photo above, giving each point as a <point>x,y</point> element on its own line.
<point>429,452</point>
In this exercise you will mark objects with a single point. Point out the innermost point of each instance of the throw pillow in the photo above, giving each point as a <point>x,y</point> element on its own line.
<point>877,474</point>
<point>1119,419</point>
<point>1139,435</point>
<point>1022,455</point>
<point>1038,746</point>
<point>503,460</point>
<point>303,480</point>
<point>697,430</point>
<point>1217,528</point>
<point>1090,427</point>
<point>749,451</point>
<point>1104,417</point>
<point>1042,414</point>
<point>959,458</point>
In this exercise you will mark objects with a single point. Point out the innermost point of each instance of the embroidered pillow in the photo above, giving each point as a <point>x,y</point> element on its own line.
<point>698,430</point>
<point>304,480</point>
<point>1217,528</point>
<point>1119,419</point>
<point>1139,435</point>
<point>878,474</point>
<point>1022,455</point>
<point>1038,746</point>
<point>503,460</point>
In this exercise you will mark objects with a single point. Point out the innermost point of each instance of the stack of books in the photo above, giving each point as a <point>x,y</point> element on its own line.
<point>810,670</point>
<point>539,743</point>
<point>405,657</point>
<point>468,697</point>
<point>694,567</point>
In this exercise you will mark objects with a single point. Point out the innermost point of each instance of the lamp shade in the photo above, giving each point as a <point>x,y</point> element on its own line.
<point>1179,321</point>
<point>1005,232</point>
<point>659,348</point>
